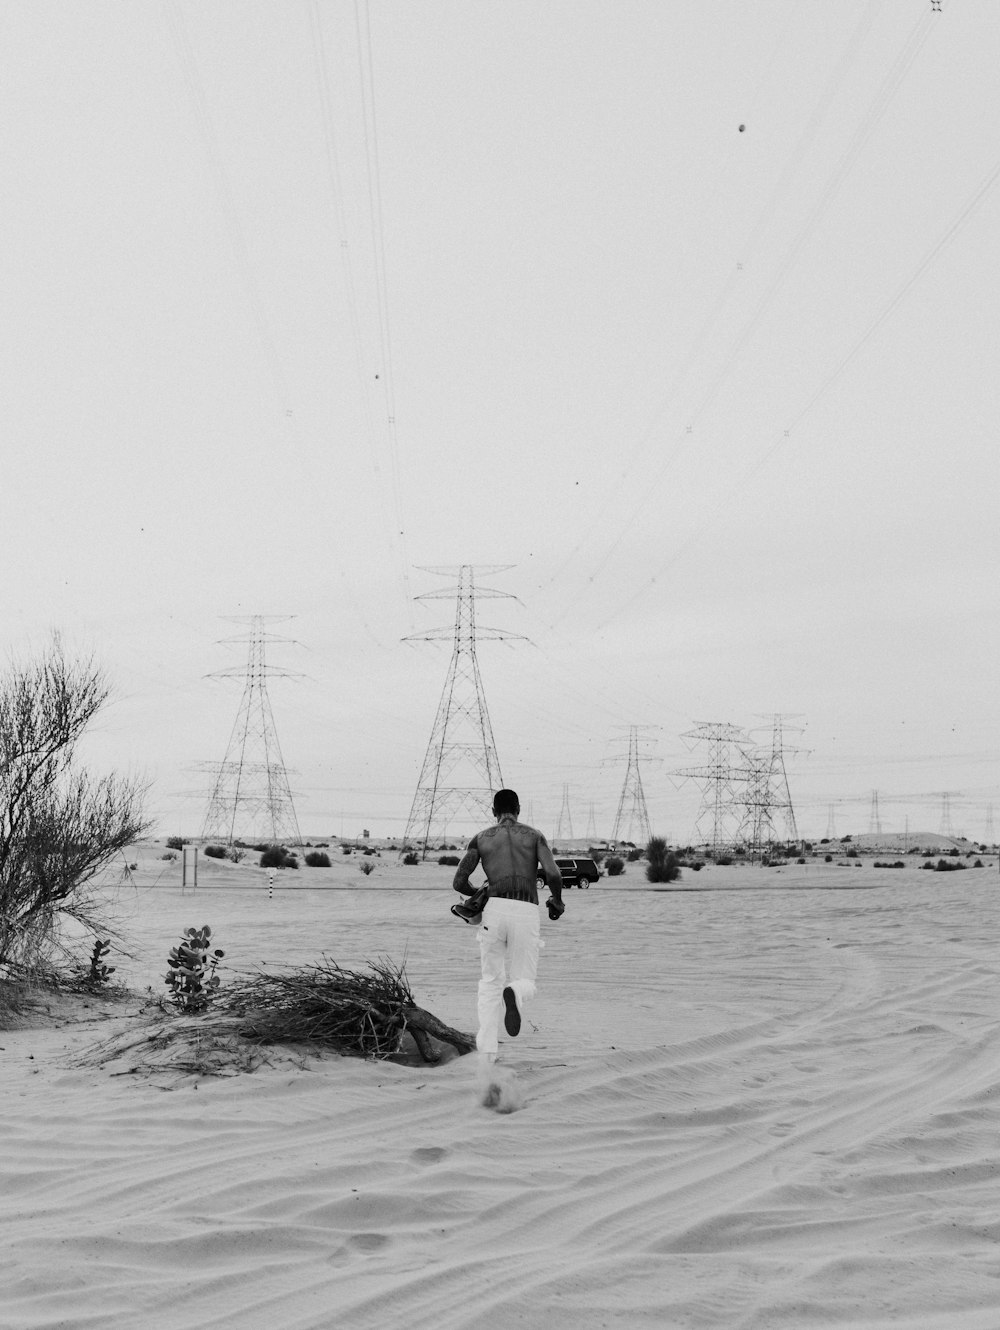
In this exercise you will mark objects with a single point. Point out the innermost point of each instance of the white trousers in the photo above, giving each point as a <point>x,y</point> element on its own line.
<point>508,944</point>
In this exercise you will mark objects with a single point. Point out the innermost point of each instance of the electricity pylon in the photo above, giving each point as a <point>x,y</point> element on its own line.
<point>632,817</point>
<point>591,827</point>
<point>767,789</point>
<point>461,770</point>
<point>874,821</point>
<point>946,827</point>
<point>716,823</point>
<point>565,824</point>
<point>251,797</point>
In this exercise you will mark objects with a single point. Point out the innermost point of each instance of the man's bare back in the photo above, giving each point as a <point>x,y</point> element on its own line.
<point>511,854</point>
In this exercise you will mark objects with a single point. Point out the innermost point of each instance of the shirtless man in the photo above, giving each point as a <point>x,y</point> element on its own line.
<point>511,854</point>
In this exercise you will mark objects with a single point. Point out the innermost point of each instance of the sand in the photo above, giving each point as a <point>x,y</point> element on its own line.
<point>769,1102</point>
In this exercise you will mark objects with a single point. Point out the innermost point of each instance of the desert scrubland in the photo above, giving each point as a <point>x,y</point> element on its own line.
<point>769,1099</point>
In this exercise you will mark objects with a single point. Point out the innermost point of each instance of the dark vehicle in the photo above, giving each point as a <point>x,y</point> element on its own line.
<point>577,872</point>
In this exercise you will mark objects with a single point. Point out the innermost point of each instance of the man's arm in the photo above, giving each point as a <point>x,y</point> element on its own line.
<point>552,875</point>
<point>469,864</point>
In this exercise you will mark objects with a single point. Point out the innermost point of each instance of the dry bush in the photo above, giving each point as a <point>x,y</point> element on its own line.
<point>59,826</point>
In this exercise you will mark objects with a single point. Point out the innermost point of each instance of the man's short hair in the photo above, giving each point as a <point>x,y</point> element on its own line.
<point>506,801</point>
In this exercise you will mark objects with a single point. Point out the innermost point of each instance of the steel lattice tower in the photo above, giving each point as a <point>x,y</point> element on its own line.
<point>565,817</point>
<point>718,779</point>
<point>251,798</point>
<point>767,789</point>
<point>461,770</point>
<point>874,820</point>
<point>591,827</point>
<point>632,814</point>
<point>946,826</point>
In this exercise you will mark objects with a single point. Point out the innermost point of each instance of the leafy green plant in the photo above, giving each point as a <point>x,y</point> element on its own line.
<point>99,972</point>
<point>191,978</point>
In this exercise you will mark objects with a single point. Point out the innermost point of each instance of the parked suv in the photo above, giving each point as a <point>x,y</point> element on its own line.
<point>577,872</point>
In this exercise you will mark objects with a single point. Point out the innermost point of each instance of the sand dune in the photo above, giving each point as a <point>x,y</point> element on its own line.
<point>749,1108</point>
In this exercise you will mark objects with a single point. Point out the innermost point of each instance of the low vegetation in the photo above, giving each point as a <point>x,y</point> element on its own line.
<point>276,856</point>
<point>663,865</point>
<point>191,977</point>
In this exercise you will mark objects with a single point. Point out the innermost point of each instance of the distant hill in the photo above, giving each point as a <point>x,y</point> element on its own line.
<point>900,842</point>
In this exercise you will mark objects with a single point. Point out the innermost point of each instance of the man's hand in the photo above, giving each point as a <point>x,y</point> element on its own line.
<point>555,908</point>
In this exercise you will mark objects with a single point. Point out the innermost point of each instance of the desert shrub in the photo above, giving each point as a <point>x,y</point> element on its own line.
<point>368,851</point>
<point>634,855</point>
<point>99,972</point>
<point>411,858</point>
<point>366,868</point>
<point>898,864</point>
<point>943,866</point>
<point>615,865</point>
<point>662,866</point>
<point>698,865</point>
<point>953,852</point>
<point>176,842</point>
<point>170,856</point>
<point>724,860</point>
<point>318,859</point>
<point>345,849</point>
<point>236,854</point>
<point>800,861</point>
<point>59,826</point>
<point>214,851</point>
<point>276,856</point>
<point>828,858</point>
<point>191,977</point>
<point>978,864</point>
<point>449,860</point>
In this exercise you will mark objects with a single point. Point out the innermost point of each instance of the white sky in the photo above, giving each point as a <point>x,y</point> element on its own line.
<point>725,400</point>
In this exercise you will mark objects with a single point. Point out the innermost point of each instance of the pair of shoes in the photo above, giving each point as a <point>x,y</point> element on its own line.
<point>511,1015</point>
<point>471,909</point>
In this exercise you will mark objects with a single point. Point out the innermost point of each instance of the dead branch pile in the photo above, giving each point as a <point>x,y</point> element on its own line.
<point>365,1013</point>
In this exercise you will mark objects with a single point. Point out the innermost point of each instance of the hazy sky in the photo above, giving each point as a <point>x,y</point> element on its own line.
<point>302,296</point>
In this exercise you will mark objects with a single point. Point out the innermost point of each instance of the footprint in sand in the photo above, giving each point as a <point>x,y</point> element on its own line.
<point>428,1154</point>
<point>368,1242</point>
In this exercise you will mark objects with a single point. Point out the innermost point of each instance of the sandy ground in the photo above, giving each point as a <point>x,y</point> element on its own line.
<point>770,1102</point>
